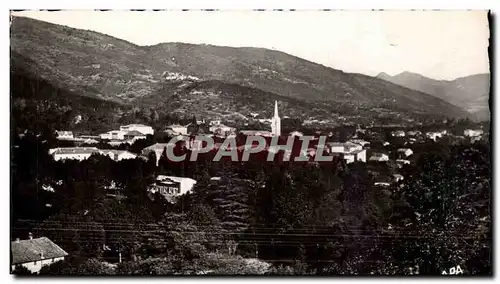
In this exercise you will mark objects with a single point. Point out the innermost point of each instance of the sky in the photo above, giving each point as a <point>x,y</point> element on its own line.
<point>437,44</point>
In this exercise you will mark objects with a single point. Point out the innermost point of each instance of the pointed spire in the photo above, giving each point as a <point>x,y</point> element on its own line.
<point>276,109</point>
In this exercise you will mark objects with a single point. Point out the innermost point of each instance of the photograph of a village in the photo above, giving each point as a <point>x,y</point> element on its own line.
<point>268,143</point>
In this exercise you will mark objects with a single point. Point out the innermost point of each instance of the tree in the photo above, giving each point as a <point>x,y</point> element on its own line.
<point>94,267</point>
<point>75,233</point>
<point>20,270</point>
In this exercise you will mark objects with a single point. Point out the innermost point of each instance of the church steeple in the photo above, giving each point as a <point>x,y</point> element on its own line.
<point>276,121</point>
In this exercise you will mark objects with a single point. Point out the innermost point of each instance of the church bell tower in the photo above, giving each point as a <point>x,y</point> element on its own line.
<point>276,121</point>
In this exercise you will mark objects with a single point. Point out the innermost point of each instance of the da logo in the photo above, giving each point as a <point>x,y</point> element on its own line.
<point>453,271</point>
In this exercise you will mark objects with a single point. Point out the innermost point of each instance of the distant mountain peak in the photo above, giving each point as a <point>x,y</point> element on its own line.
<point>469,92</point>
<point>383,75</point>
<point>411,74</point>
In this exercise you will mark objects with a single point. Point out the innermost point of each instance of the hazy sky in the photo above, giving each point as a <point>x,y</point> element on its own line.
<point>437,44</point>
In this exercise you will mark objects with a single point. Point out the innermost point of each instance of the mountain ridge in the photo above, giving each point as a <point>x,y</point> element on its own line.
<point>468,92</point>
<point>104,67</point>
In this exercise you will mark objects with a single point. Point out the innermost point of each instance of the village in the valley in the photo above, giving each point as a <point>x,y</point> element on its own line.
<point>353,150</point>
<point>143,143</point>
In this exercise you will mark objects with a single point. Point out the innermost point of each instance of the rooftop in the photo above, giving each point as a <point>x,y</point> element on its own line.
<point>172,178</point>
<point>135,125</point>
<point>74,150</point>
<point>175,126</point>
<point>118,152</point>
<point>32,250</point>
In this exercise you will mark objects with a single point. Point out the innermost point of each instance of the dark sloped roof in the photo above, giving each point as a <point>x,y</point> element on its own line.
<point>30,250</point>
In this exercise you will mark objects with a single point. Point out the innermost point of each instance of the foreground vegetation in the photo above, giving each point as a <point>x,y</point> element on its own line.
<point>259,218</point>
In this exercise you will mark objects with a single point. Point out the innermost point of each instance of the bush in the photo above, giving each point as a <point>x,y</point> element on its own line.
<point>20,270</point>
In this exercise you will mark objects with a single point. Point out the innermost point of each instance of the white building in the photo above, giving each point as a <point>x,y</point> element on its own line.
<point>351,152</point>
<point>118,155</point>
<point>221,129</point>
<point>73,153</point>
<point>113,135</point>
<point>379,157</point>
<point>276,121</point>
<point>35,253</point>
<point>144,129</point>
<point>473,133</point>
<point>405,152</point>
<point>65,135</point>
<point>338,147</point>
<point>178,129</point>
<point>355,156</point>
<point>170,186</point>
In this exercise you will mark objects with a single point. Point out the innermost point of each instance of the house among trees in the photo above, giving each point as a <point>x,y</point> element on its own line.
<point>404,152</point>
<point>473,133</point>
<point>170,186</point>
<point>65,135</point>
<point>113,135</point>
<point>118,155</point>
<point>434,135</point>
<point>379,157</point>
<point>177,129</point>
<point>73,153</point>
<point>144,129</point>
<point>130,132</point>
<point>33,254</point>
<point>350,152</point>
<point>222,130</point>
